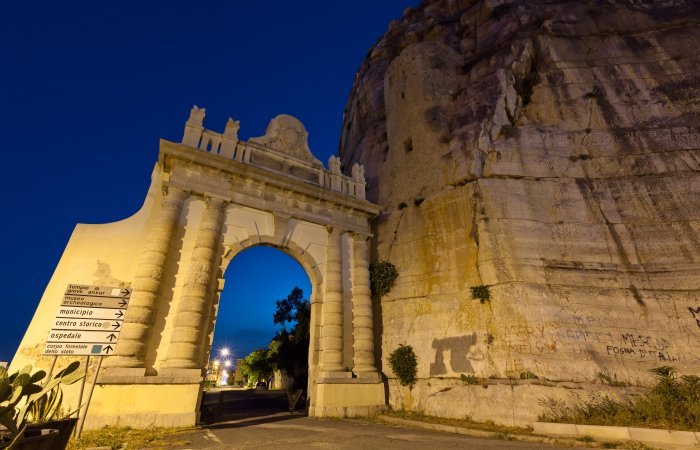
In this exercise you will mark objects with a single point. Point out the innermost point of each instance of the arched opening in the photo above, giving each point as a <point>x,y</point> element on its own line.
<point>260,344</point>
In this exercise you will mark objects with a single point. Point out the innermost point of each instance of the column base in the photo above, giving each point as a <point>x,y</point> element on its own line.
<point>133,405</point>
<point>123,372</point>
<point>371,376</point>
<point>179,373</point>
<point>349,397</point>
<point>333,375</point>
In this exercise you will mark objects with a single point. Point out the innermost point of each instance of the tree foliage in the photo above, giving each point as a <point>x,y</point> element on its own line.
<point>289,350</point>
<point>257,366</point>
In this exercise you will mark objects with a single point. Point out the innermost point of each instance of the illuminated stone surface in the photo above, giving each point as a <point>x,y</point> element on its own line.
<point>210,198</point>
<point>551,152</point>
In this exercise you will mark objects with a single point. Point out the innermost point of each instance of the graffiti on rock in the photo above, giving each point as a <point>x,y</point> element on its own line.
<point>696,314</point>
<point>640,353</point>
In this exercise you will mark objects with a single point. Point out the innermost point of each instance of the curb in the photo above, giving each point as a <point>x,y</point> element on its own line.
<point>468,431</point>
<point>649,436</point>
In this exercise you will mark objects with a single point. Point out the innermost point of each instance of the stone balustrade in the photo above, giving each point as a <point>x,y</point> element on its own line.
<point>306,169</point>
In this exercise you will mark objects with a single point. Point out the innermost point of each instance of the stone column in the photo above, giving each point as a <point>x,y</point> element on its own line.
<point>363,356</point>
<point>191,319</point>
<point>332,308</point>
<point>130,351</point>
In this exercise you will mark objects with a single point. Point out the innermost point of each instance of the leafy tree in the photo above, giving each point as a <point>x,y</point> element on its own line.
<point>257,366</point>
<point>289,350</point>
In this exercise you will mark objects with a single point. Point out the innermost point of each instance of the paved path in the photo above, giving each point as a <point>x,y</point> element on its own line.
<point>257,421</point>
<point>286,431</point>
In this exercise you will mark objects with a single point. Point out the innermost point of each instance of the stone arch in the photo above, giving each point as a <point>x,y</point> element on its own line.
<point>305,259</point>
<point>311,268</point>
<point>172,258</point>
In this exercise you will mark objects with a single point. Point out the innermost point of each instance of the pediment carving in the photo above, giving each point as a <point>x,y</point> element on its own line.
<point>286,134</point>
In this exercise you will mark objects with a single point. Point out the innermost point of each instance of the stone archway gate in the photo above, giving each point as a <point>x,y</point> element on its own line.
<point>212,196</point>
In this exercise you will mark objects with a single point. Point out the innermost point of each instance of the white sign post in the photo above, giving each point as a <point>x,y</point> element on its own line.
<point>88,321</point>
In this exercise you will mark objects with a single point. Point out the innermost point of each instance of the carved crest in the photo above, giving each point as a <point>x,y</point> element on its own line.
<point>287,134</point>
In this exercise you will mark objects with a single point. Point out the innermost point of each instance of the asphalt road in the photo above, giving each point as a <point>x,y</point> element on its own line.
<point>259,421</point>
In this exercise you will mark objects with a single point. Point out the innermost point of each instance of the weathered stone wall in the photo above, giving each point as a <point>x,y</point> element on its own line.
<point>549,150</point>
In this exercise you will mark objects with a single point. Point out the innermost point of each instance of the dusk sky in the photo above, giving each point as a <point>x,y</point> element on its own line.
<point>87,88</point>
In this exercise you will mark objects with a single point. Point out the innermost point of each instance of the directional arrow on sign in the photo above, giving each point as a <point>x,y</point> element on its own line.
<point>108,350</point>
<point>125,292</point>
<point>116,325</point>
<point>86,301</point>
<point>76,312</point>
<point>81,337</point>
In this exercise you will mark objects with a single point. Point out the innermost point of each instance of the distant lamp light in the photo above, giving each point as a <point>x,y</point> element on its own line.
<point>227,363</point>
<point>224,351</point>
<point>216,362</point>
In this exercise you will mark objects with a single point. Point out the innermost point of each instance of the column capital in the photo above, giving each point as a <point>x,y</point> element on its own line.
<point>215,201</point>
<point>169,190</point>
<point>357,235</point>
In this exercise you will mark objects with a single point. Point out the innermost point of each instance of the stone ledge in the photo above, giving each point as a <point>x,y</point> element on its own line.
<point>651,436</point>
<point>339,412</point>
<point>141,421</point>
<point>461,430</point>
<point>126,379</point>
<point>363,380</point>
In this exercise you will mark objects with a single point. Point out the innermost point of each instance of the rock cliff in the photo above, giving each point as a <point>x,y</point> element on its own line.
<point>549,150</point>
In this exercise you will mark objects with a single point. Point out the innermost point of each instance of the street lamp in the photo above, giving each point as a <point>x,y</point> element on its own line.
<point>224,351</point>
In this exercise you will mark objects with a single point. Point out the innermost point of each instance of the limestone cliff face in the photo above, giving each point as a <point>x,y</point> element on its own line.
<point>549,150</point>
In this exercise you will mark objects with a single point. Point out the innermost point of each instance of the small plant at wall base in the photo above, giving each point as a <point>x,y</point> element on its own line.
<point>673,403</point>
<point>481,293</point>
<point>382,276</point>
<point>528,375</point>
<point>404,364</point>
<point>469,379</point>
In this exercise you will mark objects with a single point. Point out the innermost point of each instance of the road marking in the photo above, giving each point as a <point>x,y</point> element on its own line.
<point>213,437</point>
<point>293,427</point>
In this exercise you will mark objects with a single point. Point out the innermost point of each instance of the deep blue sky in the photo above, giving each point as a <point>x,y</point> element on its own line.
<point>87,88</point>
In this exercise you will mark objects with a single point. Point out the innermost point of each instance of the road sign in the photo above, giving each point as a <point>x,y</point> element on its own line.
<point>108,337</point>
<point>88,321</point>
<point>64,323</point>
<point>94,302</point>
<point>90,313</point>
<point>59,349</point>
<point>99,291</point>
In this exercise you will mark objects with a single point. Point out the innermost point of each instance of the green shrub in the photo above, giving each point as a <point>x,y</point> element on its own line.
<point>469,379</point>
<point>673,403</point>
<point>404,364</point>
<point>481,293</point>
<point>528,375</point>
<point>382,276</point>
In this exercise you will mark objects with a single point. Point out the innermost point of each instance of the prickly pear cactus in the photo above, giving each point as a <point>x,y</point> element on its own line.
<point>23,398</point>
